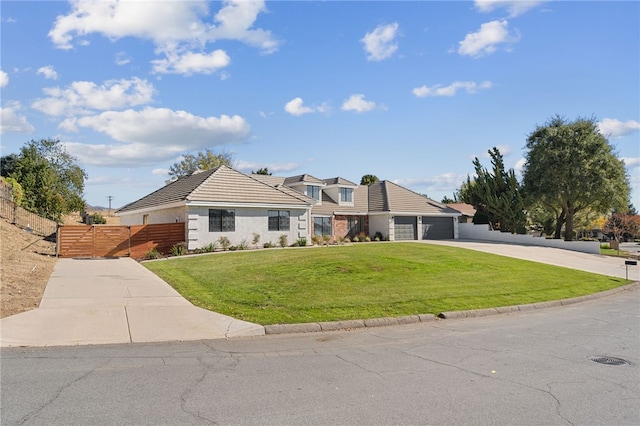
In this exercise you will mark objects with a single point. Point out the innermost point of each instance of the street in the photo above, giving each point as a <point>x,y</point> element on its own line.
<point>531,367</point>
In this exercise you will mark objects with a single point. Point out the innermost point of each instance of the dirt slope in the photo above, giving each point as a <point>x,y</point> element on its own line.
<point>26,262</point>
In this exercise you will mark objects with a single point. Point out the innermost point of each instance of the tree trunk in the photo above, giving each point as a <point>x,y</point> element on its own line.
<point>568,229</point>
<point>559,223</point>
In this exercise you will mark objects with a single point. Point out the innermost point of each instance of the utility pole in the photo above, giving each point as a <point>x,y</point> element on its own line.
<point>110,197</point>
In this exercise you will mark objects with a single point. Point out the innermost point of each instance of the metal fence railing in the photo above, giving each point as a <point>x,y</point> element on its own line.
<point>26,219</point>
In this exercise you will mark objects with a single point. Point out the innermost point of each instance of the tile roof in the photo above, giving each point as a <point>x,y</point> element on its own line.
<point>386,196</point>
<point>360,204</point>
<point>222,184</point>
<point>338,181</point>
<point>302,178</point>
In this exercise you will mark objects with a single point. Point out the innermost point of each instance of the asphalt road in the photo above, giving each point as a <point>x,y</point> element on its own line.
<point>524,368</point>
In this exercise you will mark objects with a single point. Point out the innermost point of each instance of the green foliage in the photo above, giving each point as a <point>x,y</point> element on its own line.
<point>201,161</point>
<point>7,164</point>
<point>369,179</point>
<point>153,254</point>
<point>256,239</point>
<point>225,243</point>
<point>302,242</point>
<point>447,200</point>
<point>571,167</point>
<point>496,194</point>
<point>210,248</point>
<point>52,180</point>
<point>268,244</point>
<point>243,245</point>
<point>283,240</point>
<point>178,249</point>
<point>98,219</point>
<point>17,193</point>
<point>262,171</point>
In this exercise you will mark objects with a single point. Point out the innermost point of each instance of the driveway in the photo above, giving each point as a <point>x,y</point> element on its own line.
<point>97,301</point>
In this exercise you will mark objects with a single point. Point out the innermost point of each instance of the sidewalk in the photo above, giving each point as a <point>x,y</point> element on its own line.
<point>99,301</point>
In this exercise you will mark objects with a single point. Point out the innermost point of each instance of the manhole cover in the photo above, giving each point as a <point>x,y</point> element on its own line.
<point>610,360</point>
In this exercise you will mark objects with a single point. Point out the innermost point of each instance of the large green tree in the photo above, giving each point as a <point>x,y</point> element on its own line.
<point>496,195</point>
<point>369,179</point>
<point>52,180</point>
<point>204,160</point>
<point>570,167</point>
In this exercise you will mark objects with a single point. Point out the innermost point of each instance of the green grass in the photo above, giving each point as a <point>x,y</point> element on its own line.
<point>367,280</point>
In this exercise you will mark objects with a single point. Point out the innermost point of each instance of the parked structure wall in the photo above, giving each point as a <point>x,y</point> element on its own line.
<point>170,215</point>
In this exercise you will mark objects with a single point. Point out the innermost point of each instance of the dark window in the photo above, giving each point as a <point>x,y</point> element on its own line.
<point>322,226</point>
<point>313,192</point>
<point>345,195</point>
<point>355,224</point>
<point>279,220</point>
<point>222,220</point>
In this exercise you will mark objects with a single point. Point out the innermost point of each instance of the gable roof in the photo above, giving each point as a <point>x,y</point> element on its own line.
<point>221,184</point>
<point>338,181</point>
<point>465,209</point>
<point>303,179</point>
<point>329,206</point>
<point>386,196</point>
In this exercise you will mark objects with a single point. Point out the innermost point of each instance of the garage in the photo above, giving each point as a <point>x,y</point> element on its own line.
<point>437,228</point>
<point>405,228</point>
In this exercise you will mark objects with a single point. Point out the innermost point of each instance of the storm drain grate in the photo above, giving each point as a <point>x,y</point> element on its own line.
<point>610,360</point>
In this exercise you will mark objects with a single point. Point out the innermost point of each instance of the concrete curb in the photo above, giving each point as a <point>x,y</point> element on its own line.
<point>474,313</point>
<point>311,327</point>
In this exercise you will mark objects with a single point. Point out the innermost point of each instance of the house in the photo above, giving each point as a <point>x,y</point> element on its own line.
<point>467,210</point>
<point>225,202</point>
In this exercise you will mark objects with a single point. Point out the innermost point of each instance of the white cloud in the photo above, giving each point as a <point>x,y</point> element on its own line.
<point>613,128</point>
<point>160,172</point>
<point>380,43</point>
<point>487,38</point>
<point>296,107</point>
<point>444,182</point>
<point>631,162</point>
<point>519,167</point>
<point>12,121</point>
<point>191,62</point>
<point>513,7</point>
<point>470,87</point>
<point>155,134</point>
<point>122,58</point>
<point>83,97</point>
<point>48,72</point>
<point>358,104</point>
<point>4,78</point>
<point>180,30</point>
<point>248,166</point>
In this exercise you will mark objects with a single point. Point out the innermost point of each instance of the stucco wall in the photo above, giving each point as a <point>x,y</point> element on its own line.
<point>380,223</point>
<point>470,231</point>
<point>247,222</point>
<point>176,214</point>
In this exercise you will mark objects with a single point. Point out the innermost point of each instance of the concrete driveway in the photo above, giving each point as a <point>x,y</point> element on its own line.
<point>98,301</point>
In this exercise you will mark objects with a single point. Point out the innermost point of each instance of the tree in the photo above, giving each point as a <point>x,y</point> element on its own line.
<point>51,178</point>
<point>7,164</point>
<point>15,189</point>
<point>447,200</point>
<point>496,195</point>
<point>621,226</point>
<point>262,171</point>
<point>571,167</point>
<point>201,161</point>
<point>369,179</point>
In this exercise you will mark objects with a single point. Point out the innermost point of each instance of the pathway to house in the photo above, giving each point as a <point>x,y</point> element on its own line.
<point>98,301</point>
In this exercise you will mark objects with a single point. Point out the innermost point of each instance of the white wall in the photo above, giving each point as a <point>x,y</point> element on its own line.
<point>380,223</point>
<point>176,214</point>
<point>248,222</point>
<point>470,231</point>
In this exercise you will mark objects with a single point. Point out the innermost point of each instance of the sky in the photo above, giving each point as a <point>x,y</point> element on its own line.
<point>410,92</point>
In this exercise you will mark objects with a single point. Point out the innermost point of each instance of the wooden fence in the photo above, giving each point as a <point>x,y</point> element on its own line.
<point>118,241</point>
<point>26,219</point>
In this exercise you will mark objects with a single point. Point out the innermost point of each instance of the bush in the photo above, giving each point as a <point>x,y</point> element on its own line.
<point>283,241</point>
<point>317,240</point>
<point>153,254</point>
<point>179,249</point>
<point>378,236</point>
<point>268,244</point>
<point>243,245</point>
<point>302,242</point>
<point>256,239</point>
<point>95,219</point>
<point>210,248</point>
<point>225,243</point>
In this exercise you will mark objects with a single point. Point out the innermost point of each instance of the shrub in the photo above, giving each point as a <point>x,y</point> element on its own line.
<point>224,242</point>
<point>153,254</point>
<point>243,245</point>
<point>210,248</point>
<point>179,249</point>
<point>605,246</point>
<point>256,239</point>
<point>326,239</point>
<point>362,237</point>
<point>317,240</point>
<point>268,244</point>
<point>367,239</point>
<point>283,241</point>
<point>378,236</point>
<point>302,242</point>
<point>95,219</point>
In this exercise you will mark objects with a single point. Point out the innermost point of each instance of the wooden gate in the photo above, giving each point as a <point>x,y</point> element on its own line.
<point>118,241</point>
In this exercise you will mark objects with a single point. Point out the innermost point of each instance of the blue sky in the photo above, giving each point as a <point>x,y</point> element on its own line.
<point>408,91</point>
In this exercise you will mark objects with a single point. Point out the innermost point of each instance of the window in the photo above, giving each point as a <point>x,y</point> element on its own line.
<point>222,220</point>
<point>322,226</point>
<point>278,220</point>
<point>313,192</point>
<point>145,219</point>
<point>355,225</point>
<point>345,195</point>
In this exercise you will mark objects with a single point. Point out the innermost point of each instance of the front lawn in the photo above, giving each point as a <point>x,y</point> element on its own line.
<point>366,280</point>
